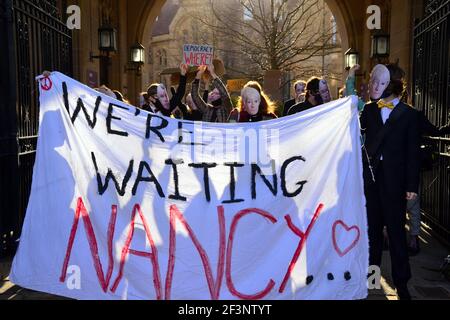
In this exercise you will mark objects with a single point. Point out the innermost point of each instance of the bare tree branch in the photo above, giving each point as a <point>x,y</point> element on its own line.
<point>270,34</point>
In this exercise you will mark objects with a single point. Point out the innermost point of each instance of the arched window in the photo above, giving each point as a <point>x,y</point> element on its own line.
<point>163,58</point>
<point>333,30</point>
<point>159,55</point>
<point>150,56</point>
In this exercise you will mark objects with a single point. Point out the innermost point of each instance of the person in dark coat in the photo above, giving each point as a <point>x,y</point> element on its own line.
<point>158,97</point>
<point>299,89</point>
<point>220,101</point>
<point>190,111</point>
<point>391,133</point>
<point>312,98</point>
<point>413,206</point>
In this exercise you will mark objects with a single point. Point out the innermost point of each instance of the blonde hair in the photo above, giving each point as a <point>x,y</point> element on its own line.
<point>299,82</point>
<point>266,106</point>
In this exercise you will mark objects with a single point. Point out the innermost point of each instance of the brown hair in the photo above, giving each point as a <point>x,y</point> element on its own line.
<point>299,82</point>
<point>397,86</point>
<point>152,89</point>
<point>266,106</point>
<point>120,96</point>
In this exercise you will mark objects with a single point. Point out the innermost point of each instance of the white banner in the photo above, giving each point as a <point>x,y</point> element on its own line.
<point>126,204</point>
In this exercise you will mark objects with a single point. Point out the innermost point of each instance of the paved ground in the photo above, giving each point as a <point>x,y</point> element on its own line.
<point>427,282</point>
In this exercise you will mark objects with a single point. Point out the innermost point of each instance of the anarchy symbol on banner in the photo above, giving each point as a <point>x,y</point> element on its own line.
<point>46,83</point>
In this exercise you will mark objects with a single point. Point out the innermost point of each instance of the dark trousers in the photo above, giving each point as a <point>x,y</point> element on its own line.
<point>387,208</point>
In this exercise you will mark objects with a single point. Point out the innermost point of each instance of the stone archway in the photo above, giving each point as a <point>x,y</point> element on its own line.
<point>144,30</point>
<point>150,10</point>
<point>140,17</point>
<point>341,22</point>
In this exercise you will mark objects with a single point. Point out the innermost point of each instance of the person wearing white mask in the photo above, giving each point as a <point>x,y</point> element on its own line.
<point>253,105</point>
<point>378,82</point>
<point>159,98</point>
<point>324,91</point>
<point>391,173</point>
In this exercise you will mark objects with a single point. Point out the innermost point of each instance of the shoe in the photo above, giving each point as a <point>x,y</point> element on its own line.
<point>403,293</point>
<point>414,246</point>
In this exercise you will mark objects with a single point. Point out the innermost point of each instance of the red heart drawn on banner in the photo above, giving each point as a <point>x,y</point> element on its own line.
<point>339,250</point>
<point>46,83</point>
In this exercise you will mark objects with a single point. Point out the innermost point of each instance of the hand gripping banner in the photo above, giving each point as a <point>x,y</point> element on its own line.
<point>127,204</point>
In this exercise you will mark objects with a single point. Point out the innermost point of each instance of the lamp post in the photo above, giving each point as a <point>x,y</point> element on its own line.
<point>135,63</point>
<point>107,43</point>
<point>351,58</point>
<point>137,54</point>
<point>380,46</point>
<point>137,58</point>
<point>107,39</point>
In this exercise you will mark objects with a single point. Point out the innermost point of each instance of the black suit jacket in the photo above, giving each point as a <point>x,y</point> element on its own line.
<point>429,129</point>
<point>300,107</point>
<point>400,147</point>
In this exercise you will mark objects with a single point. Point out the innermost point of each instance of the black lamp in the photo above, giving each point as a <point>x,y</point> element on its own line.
<point>106,42</point>
<point>351,58</point>
<point>380,45</point>
<point>137,55</point>
<point>137,58</point>
<point>107,39</point>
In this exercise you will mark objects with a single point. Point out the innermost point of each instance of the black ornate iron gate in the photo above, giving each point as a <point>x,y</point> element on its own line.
<point>432,87</point>
<point>32,39</point>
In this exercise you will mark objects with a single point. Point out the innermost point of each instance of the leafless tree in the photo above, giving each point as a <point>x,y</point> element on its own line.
<point>271,34</point>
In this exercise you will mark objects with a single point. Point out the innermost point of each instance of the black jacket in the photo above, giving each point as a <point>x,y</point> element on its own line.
<point>287,105</point>
<point>429,129</point>
<point>300,107</point>
<point>190,114</point>
<point>176,99</point>
<point>400,147</point>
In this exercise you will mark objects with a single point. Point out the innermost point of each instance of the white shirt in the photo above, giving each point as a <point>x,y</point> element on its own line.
<point>386,112</point>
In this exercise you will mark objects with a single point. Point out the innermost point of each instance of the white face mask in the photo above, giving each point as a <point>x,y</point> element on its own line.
<point>379,81</point>
<point>251,100</point>
<point>163,97</point>
<point>324,91</point>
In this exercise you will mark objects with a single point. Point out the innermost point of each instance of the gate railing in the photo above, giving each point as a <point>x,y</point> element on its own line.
<point>431,95</point>
<point>37,40</point>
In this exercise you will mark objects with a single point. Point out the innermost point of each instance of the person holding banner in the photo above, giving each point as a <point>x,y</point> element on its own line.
<point>379,81</point>
<point>211,113</point>
<point>391,174</point>
<point>253,105</point>
<point>159,98</point>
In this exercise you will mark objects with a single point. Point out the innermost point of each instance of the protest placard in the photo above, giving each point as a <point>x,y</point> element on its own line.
<point>198,55</point>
